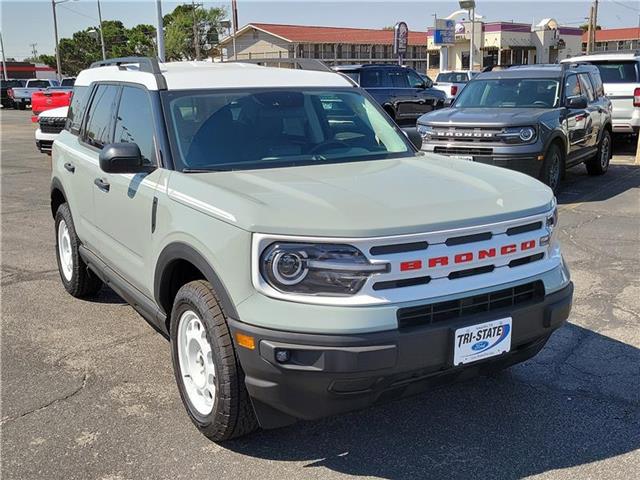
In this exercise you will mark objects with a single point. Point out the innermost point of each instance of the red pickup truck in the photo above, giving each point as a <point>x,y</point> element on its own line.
<point>52,97</point>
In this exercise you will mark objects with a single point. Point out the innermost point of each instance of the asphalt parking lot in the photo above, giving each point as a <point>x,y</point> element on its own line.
<point>87,390</point>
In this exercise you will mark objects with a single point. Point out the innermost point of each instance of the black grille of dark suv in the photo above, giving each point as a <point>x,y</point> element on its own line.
<point>462,307</point>
<point>52,125</point>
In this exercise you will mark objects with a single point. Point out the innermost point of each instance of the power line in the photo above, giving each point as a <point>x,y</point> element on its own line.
<point>78,13</point>
<point>625,5</point>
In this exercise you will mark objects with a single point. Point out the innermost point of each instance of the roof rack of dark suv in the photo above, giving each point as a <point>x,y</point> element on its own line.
<point>145,64</point>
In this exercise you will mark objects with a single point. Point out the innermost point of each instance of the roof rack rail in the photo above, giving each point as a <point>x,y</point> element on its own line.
<point>297,63</point>
<point>145,64</point>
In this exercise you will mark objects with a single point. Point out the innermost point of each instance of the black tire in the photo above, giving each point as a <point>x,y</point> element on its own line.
<point>553,167</point>
<point>599,164</point>
<point>81,282</point>
<point>232,414</point>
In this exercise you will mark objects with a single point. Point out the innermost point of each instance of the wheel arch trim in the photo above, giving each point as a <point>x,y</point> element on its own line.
<point>181,251</point>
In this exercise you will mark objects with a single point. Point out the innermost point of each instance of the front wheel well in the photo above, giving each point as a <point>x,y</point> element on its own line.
<point>176,274</point>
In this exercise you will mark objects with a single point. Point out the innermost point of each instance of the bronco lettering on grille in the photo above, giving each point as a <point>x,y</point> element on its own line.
<point>466,257</point>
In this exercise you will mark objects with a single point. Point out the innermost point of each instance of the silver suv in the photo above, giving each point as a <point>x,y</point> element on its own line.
<point>301,255</point>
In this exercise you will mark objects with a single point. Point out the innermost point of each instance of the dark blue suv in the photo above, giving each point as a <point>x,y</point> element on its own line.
<point>401,91</point>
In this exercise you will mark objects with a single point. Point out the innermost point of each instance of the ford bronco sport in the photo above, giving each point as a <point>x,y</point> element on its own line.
<point>303,257</point>
<point>537,119</point>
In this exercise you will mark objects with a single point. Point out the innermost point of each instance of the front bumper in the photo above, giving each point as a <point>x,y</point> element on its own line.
<point>331,374</point>
<point>522,158</point>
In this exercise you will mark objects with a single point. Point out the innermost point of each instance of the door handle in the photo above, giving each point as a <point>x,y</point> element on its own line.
<point>102,184</point>
<point>69,167</point>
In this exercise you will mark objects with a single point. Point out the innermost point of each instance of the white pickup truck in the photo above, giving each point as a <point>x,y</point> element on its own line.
<point>22,96</point>
<point>452,82</point>
<point>620,73</point>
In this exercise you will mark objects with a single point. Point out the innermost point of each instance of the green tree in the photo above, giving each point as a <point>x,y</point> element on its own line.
<point>83,48</point>
<point>179,41</point>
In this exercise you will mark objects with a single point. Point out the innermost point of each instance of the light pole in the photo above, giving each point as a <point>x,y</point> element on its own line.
<point>470,6</point>
<point>4,63</point>
<point>55,31</point>
<point>104,52</point>
<point>160,32</point>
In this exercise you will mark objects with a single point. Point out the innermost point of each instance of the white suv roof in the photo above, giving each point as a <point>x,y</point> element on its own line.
<point>603,56</point>
<point>198,75</point>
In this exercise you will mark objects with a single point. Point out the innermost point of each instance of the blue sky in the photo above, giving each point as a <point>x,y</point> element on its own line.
<point>30,21</point>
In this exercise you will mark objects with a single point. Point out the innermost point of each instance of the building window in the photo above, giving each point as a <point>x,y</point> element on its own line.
<point>434,59</point>
<point>339,51</point>
<point>316,50</point>
<point>465,60</point>
<point>385,51</point>
<point>490,58</point>
<point>353,51</point>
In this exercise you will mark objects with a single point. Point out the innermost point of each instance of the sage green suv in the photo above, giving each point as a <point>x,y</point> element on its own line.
<point>303,257</point>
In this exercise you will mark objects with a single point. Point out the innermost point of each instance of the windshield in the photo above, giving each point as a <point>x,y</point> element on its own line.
<point>452,77</point>
<point>264,128</point>
<point>510,93</point>
<point>618,72</point>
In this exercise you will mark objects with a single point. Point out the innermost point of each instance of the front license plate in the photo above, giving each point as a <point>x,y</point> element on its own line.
<point>468,158</point>
<point>482,341</point>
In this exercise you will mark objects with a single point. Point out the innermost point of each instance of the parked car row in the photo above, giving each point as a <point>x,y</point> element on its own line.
<point>18,93</point>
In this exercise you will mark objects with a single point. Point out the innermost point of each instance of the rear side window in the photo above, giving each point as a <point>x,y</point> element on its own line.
<point>76,109</point>
<point>99,122</point>
<point>372,78</point>
<point>596,80</point>
<point>398,78</point>
<point>134,123</point>
<point>452,77</point>
<point>618,72</point>
<point>586,87</point>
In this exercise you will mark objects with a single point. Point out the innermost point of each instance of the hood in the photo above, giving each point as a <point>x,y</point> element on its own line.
<point>363,199</point>
<point>55,112</point>
<point>483,117</point>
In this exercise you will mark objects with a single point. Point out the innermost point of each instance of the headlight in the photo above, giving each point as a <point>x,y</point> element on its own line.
<point>426,132</point>
<point>518,134</point>
<point>552,226</point>
<point>317,269</point>
<point>526,134</point>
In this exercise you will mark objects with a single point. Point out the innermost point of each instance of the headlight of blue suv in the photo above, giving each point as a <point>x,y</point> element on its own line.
<point>519,134</point>
<point>317,269</point>
<point>426,132</point>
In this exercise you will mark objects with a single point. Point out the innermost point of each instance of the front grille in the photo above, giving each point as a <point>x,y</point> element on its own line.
<point>463,150</point>
<point>52,125</point>
<point>463,307</point>
<point>468,135</point>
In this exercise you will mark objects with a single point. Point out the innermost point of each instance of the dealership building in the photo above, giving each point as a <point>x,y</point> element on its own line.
<point>496,43</point>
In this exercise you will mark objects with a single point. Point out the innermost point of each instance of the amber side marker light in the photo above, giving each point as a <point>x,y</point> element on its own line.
<point>245,341</point>
<point>540,157</point>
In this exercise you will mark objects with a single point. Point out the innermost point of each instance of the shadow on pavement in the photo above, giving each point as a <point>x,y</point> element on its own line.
<point>578,186</point>
<point>577,402</point>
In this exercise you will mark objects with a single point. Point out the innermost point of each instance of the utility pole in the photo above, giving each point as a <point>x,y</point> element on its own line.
<point>160,31</point>
<point>234,16</point>
<point>55,32</point>
<point>4,62</point>
<point>589,30</point>
<point>196,40</point>
<point>33,50</point>
<point>104,53</point>
<point>595,25</point>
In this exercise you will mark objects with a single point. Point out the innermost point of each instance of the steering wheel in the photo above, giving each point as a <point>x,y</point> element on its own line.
<point>327,145</point>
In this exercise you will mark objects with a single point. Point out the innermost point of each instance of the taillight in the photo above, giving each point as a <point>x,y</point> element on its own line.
<point>454,90</point>
<point>34,118</point>
<point>636,97</point>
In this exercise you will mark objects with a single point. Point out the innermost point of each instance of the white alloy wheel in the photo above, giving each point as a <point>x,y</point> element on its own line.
<point>64,250</point>
<point>196,363</point>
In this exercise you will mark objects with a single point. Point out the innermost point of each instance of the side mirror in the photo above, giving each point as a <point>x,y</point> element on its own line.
<point>428,84</point>
<point>413,136</point>
<point>122,158</point>
<point>579,102</point>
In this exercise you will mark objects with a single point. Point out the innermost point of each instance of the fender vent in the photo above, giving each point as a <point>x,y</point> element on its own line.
<point>454,309</point>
